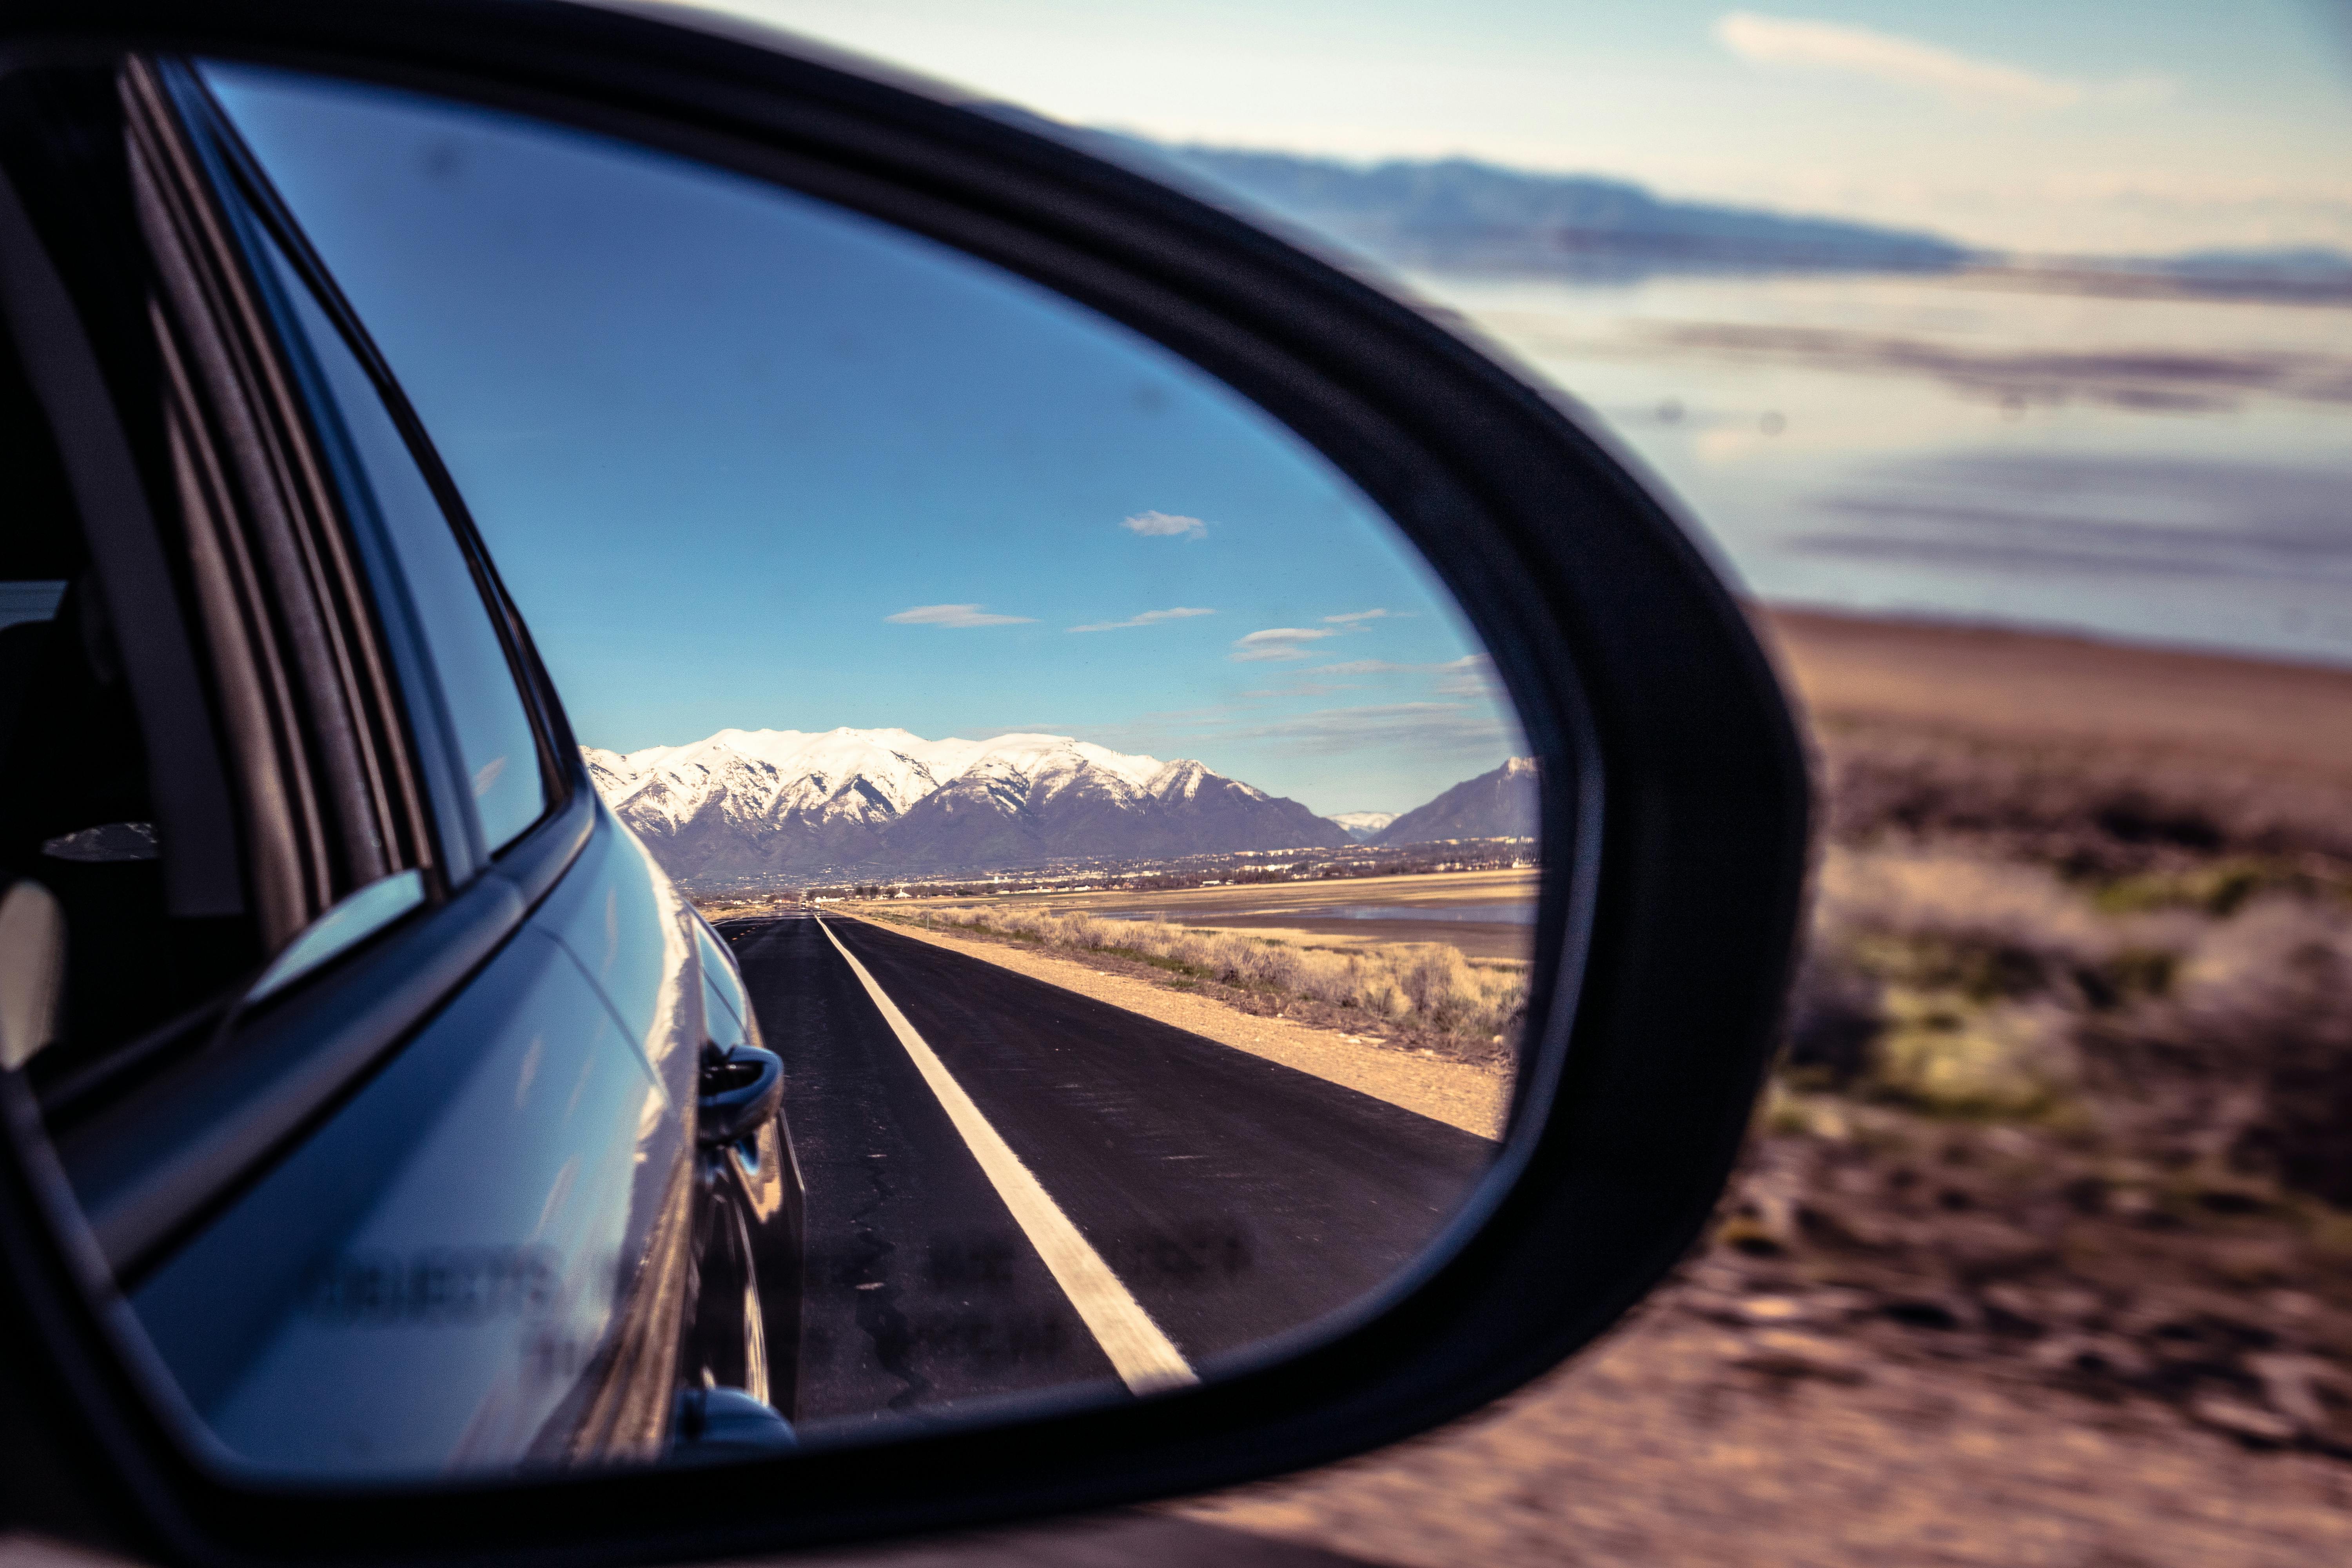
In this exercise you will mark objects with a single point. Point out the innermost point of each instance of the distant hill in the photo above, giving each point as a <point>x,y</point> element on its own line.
<point>2282,264</point>
<point>1362,827</point>
<point>1497,805</point>
<point>1462,213</point>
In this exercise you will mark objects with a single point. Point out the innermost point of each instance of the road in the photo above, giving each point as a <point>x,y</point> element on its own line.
<point>1230,1197</point>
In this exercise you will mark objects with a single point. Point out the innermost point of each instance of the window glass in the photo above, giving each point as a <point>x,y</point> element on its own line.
<point>491,727</point>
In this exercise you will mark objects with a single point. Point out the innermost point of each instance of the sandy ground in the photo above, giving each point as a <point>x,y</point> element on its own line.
<point>2017,685</point>
<point>1456,1093</point>
<point>1679,1442</point>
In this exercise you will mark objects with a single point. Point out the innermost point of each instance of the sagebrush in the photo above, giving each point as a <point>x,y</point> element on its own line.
<point>1426,988</point>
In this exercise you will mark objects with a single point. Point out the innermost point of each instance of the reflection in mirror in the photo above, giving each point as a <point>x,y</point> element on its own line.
<point>1117,853</point>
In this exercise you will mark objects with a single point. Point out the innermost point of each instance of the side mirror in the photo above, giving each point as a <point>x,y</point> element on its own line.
<point>1034,1123</point>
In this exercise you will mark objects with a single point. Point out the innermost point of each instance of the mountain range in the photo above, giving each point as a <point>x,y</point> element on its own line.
<point>759,802</point>
<point>1462,213</point>
<point>752,805</point>
<point>1465,215</point>
<point>1497,804</point>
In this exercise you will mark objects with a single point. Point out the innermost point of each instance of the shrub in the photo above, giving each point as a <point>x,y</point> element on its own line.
<point>2246,1059</point>
<point>1423,986</point>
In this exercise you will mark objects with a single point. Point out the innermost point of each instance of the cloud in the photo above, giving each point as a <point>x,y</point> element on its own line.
<point>1165,525</point>
<point>1388,730</point>
<point>1275,642</point>
<point>1361,667</point>
<point>1358,615</point>
<point>1897,61</point>
<point>1148,618</point>
<point>954,615</point>
<point>1472,675</point>
<point>1401,726</point>
<point>1299,688</point>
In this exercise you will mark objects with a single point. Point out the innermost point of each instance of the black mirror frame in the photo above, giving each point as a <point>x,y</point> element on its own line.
<point>1675,803</point>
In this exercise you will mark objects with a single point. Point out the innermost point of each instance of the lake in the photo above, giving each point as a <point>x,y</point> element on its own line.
<point>1977,446</point>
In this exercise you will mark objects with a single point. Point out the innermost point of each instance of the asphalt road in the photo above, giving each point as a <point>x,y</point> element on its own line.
<point>1234,1198</point>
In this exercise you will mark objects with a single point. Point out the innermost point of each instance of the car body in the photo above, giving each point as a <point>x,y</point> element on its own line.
<point>504,1124</point>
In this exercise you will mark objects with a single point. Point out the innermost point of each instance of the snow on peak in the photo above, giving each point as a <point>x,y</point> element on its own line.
<point>896,766</point>
<point>1046,756</point>
<point>1364,821</point>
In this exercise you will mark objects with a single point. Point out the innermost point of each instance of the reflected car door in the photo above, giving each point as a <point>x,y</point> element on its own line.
<point>485,1255</point>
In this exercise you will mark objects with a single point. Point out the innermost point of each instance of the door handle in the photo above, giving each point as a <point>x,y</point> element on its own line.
<point>741,1087</point>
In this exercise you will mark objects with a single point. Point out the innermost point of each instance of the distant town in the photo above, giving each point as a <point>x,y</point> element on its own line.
<point>1238,868</point>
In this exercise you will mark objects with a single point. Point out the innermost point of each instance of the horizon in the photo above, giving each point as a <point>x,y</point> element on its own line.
<point>2337,254</point>
<point>2103,128</point>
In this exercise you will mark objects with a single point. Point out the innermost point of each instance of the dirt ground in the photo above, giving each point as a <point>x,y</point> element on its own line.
<point>1848,668</point>
<point>1684,1441</point>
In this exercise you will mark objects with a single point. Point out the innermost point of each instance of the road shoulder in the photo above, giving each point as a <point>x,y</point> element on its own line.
<point>1459,1094</point>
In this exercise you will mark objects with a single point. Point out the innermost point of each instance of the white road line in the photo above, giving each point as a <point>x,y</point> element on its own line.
<point>1142,1355</point>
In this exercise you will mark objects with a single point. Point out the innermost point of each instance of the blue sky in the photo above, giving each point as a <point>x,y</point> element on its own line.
<point>746,460</point>
<point>2089,127</point>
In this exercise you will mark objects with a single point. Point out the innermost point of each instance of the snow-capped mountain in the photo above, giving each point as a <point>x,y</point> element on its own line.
<point>1362,827</point>
<point>1497,804</point>
<point>754,803</point>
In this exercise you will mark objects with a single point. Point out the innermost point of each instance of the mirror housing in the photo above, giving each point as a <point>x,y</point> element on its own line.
<point>1673,803</point>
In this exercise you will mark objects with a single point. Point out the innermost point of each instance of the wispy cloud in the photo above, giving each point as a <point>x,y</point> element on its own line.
<point>1359,615</point>
<point>1148,618</point>
<point>1165,525</point>
<point>954,615</point>
<point>1386,730</point>
<point>1363,666</point>
<point>1776,41</point>
<point>1275,642</point>
<point>1471,676</point>
<point>1299,688</point>
<point>1403,726</point>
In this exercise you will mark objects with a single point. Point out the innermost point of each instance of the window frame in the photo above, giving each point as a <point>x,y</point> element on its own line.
<point>181,1119</point>
<point>260,217</point>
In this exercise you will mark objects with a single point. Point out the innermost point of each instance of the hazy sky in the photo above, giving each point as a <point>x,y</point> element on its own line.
<point>2093,126</point>
<point>746,460</point>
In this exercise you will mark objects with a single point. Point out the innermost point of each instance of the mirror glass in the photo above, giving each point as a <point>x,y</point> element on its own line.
<point>1102,812</point>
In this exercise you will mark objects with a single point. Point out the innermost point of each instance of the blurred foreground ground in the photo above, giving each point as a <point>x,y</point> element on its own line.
<point>1684,1442</point>
<point>2043,1252</point>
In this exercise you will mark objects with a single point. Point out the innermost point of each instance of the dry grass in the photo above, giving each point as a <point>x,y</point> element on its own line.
<point>1429,988</point>
<point>2215,1033</point>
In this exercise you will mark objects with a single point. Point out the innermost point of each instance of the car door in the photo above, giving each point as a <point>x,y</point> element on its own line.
<point>425,1192</point>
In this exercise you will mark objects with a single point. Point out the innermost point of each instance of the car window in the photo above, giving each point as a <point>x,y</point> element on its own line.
<point>490,724</point>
